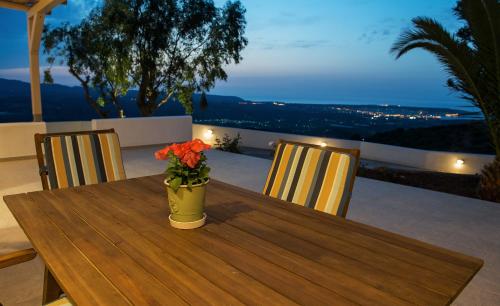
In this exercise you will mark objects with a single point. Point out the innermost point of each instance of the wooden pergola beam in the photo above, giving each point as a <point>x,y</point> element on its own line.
<point>13,6</point>
<point>44,6</point>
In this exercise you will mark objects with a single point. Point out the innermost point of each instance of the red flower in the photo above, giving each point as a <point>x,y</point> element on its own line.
<point>189,153</point>
<point>191,159</point>
<point>198,146</point>
<point>162,154</point>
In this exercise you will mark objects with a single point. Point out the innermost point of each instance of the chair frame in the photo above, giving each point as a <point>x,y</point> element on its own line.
<point>356,153</point>
<point>17,257</point>
<point>39,138</point>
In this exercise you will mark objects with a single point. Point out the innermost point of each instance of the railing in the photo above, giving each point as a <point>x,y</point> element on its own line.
<point>16,141</point>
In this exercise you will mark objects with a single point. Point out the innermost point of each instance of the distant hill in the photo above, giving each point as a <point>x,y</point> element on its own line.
<point>66,103</point>
<point>472,137</point>
<point>416,127</point>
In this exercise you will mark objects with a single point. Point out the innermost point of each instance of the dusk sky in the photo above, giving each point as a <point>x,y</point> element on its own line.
<point>334,51</point>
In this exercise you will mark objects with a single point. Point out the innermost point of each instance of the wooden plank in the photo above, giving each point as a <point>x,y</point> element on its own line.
<point>391,265</point>
<point>68,264</point>
<point>246,287</point>
<point>407,291</point>
<point>383,247</point>
<point>412,244</point>
<point>462,268</point>
<point>135,283</point>
<point>341,283</point>
<point>166,268</point>
<point>13,6</point>
<point>17,257</point>
<point>254,250</point>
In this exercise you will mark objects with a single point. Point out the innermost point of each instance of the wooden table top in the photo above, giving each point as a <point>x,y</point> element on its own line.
<point>111,244</point>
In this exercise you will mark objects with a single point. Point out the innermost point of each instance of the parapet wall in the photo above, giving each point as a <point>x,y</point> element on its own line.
<point>415,158</point>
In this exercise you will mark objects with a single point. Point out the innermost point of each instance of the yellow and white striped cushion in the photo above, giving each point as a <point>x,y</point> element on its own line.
<point>77,160</point>
<point>311,177</point>
<point>60,302</point>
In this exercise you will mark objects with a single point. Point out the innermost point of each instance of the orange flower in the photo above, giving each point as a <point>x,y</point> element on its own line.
<point>189,153</point>
<point>191,159</point>
<point>162,154</point>
<point>198,146</point>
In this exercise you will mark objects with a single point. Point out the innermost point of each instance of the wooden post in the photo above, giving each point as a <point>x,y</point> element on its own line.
<point>35,28</point>
<point>36,12</point>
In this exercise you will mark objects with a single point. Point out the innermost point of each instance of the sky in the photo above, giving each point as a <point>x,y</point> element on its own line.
<point>310,51</point>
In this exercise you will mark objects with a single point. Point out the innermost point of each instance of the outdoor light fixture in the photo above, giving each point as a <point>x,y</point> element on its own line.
<point>323,144</point>
<point>271,144</point>
<point>208,134</point>
<point>459,163</point>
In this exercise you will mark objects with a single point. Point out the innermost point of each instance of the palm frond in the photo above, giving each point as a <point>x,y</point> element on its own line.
<point>483,20</point>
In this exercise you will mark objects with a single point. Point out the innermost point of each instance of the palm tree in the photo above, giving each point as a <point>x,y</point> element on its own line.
<point>471,57</point>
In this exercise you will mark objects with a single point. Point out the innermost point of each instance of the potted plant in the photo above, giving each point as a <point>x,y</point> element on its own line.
<point>186,180</point>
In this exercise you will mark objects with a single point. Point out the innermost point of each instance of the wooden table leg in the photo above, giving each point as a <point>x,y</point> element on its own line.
<point>51,289</point>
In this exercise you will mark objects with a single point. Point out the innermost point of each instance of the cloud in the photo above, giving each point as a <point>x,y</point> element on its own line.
<point>291,44</point>
<point>383,30</point>
<point>59,73</point>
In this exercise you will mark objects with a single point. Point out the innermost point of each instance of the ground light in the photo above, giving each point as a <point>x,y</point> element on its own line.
<point>208,134</point>
<point>459,163</point>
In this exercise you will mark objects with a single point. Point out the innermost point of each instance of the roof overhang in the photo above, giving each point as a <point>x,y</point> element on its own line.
<point>31,6</point>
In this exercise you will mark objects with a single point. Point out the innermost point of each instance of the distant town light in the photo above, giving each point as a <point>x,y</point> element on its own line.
<point>323,144</point>
<point>459,163</point>
<point>208,134</point>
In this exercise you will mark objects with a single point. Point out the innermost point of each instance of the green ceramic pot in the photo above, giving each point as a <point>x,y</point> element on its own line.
<point>187,204</point>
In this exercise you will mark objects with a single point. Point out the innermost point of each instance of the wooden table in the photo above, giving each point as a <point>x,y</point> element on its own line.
<point>111,244</point>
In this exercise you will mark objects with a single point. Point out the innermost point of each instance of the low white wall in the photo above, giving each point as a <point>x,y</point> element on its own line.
<point>148,131</point>
<point>261,139</point>
<point>68,126</point>
<point>421,159</point>
<point>424,159</point>
<point>17,139</point>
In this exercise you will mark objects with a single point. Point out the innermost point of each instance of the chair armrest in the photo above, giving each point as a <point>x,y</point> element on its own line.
<point>17,257</point>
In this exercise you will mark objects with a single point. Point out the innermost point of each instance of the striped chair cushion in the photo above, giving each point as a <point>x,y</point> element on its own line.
<point>83,159</point>
<point>311,177</point>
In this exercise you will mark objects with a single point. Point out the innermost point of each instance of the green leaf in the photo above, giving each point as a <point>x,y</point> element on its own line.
<point>175,183</point>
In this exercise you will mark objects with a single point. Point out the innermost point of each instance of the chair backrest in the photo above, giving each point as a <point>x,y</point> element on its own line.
<point>313,176</point>
<point>79,158</point>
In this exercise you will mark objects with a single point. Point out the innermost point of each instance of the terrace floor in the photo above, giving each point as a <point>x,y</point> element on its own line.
<point>466,225</point>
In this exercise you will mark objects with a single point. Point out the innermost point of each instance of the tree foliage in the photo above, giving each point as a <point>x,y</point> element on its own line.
<point>471,56</point>
<point>166,49</point>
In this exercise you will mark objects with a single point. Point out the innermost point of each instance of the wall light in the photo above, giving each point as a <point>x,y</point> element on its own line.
<point>272,144</point>
<point>208,134</point>
<point>459,163</point>
<point>323,144</point>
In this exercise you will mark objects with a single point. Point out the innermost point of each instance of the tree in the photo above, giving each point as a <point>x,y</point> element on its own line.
<point>203,101</point>
<point>166,49</point>
<point>471,57</point>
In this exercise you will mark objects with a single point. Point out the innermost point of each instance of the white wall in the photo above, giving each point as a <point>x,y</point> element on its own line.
<point>17,139</point>
<point>261,139</point>
<point>421,159</point>
<point>148,131</point>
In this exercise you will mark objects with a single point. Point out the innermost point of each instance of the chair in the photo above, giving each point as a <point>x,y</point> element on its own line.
<point>14,258</point>
<point>79,158</point>
<point>313,176</point>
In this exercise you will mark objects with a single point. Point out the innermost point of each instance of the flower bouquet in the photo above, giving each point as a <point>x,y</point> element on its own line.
<point>186,180</point>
